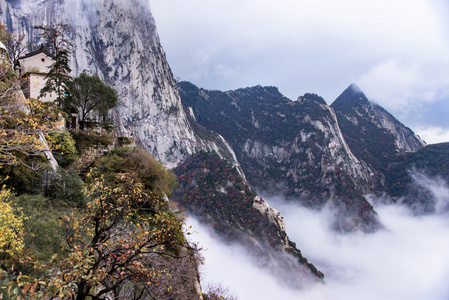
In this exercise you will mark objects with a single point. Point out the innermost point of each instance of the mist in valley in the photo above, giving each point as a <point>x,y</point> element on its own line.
<point>408,259</point>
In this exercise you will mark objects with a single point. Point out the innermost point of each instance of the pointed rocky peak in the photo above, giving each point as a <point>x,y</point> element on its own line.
<point>353,96</point>
<point>373,134</point>
<point>355,88</point>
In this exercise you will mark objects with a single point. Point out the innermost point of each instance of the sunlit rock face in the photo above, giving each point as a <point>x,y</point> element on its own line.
<point>118,41</point>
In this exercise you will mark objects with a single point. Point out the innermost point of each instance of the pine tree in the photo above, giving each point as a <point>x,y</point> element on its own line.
<point>57,43</point>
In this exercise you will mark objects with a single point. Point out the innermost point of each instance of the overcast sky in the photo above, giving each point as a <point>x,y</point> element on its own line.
<point>397,52</point>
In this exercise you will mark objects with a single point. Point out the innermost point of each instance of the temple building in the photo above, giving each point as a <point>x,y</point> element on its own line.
<point>33,68</point>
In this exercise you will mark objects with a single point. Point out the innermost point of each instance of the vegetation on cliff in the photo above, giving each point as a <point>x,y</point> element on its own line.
<point>212,190</point>
<point>403,179</point>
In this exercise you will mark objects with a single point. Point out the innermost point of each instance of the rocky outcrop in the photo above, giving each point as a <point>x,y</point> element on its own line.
<point>273,216</point>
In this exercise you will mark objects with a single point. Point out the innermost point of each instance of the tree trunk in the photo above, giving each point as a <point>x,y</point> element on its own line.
<point>83,290</point>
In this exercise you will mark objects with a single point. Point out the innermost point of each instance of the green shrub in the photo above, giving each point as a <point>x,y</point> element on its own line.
<point>63,147</point>
<point>21,178</point>
<point>44,235</point>
<point>85,139</point>
<point>147,170</point>
<point>123,140</point>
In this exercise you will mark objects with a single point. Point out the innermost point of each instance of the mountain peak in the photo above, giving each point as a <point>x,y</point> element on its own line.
<point>355,88</point>
<point>351,97</point>
<point>378,135</point>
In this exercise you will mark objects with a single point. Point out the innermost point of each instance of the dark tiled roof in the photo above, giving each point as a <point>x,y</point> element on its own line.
<point>41,49</point>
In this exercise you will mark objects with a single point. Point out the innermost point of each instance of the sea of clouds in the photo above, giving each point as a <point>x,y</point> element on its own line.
<point>407,260</point>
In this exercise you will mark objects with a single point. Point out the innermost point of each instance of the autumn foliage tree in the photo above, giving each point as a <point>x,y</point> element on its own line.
<point>11,246</point>
<point>125,243</point>
<point>119,239</point>
<point>11,232</point>
<point>218,292</point>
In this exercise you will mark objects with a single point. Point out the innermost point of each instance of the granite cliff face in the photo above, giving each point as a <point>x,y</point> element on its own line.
<point>118,41</point>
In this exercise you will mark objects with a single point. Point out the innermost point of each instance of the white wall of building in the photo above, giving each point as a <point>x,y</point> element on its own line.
<point>39,63</point>
<point>36,83</point>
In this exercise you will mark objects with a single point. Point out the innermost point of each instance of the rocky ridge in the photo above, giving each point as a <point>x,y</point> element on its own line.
<point>291,147</point>
<point>212,190</point>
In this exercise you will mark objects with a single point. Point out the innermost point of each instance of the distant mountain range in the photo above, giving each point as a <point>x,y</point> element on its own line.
<point>311,152</point>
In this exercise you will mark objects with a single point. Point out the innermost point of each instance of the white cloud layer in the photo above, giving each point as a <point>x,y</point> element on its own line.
<point>406,261</point>
<point>397,51</point>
